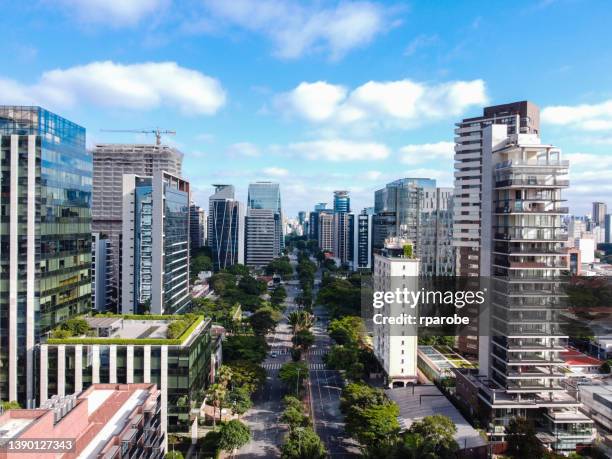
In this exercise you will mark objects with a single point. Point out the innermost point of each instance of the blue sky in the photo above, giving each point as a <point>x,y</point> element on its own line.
<point>318,95</point>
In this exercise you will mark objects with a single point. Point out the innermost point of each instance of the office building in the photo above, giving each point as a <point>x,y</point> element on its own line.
<point>155,244</point>
<point>105,421</point>
<point>266,195</point>
<point>45,254</point>
<point>522,251</point>
<point>342,201</point>
<point>395,347</point>
<point>139,350</point>
<point>325,231</point>
<point>301,217</point>
<point>417,210</point>
<point>197,226</point>
<point>362,241</point>
<point>608,229</point>
<point>110,163</point>
<point>343,232</point>
<point>521,117</point>
<point>262,231</point>
<point>225,228</point>
<point>102,290</point>
<point>313,221</point>
<point>599,213</point>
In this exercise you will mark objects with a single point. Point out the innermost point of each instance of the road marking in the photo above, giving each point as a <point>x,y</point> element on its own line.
<point>272,366</point>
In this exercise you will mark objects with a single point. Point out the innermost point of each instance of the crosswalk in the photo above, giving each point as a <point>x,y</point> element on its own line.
<point>316,352</point>
<point>278,365</point>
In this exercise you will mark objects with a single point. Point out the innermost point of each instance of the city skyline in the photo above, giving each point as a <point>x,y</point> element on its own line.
<point>308,114</point>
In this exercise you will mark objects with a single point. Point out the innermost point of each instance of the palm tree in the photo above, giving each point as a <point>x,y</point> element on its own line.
<point>216,393</point>
<point>224,375</point>
<point>300,320</point>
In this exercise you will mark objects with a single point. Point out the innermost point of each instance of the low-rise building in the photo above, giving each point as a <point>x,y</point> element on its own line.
<point>135,349</point>
<point>105,421</point>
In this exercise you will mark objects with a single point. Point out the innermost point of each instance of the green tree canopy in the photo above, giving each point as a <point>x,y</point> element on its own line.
<point>438,434</point>
<point>522,440</point>
<point>233,435</point>
<point>293,374</point>
<point>247,375</point>
<point>303,443</point>
<point>245,347</point>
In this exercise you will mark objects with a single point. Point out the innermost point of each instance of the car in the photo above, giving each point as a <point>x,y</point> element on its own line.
<point>273,354</point>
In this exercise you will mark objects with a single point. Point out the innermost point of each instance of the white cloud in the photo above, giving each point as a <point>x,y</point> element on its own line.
<point>113,12</point>
<point>144,86</point>
<point>296,27</point>
<point>588,117</point>
<point>243,149</point>
<point>275,171</point>
<point>419,42</point>
<point>372,175</point>
<point>403,102</point>
<point>337,150</point>
<point>416,154</point>
<point>590,175</point>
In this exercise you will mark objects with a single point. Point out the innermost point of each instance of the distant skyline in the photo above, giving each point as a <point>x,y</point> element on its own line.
<point>320,95</point>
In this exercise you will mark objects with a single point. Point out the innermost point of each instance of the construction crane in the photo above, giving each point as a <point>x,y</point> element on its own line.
<point>157,131</point>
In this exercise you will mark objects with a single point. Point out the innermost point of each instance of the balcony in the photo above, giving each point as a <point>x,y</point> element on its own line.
<point>519,208</point>
<point>526,233</point>
<point>531,183</point>
<point>533,164</point>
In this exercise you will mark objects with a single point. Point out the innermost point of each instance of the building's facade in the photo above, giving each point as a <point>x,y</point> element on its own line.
<point>395,347</point>
<point>313,221</point>
<point>599,213</point>
<point>262,237</point>
<point>225,228</point>
<point>521,117</point>
<point>417,210</point>
<point>362,241</point>
<point>325,231</point>
<point>110,163</point>
<point>138,351</point>
<point>343,236</point>
<point>522,252</point>
<point>197,226</point>
<point>342,201</point>
<point>102,290</point>
<point>107,421</point>
<point>266,196</point>
<point>45,255</point>
<point>155,244</point>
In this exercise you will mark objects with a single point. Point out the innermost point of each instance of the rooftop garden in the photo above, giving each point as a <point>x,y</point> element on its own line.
<point>78,331</point>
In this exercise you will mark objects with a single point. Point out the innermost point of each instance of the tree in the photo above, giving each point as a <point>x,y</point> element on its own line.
<point>264,320</point>
<point>238,269</point>
<point>251,286</point>
<point>374,426</point>
<point>247,375</point>
<point>606,367</point>
<point>174,455</point>
<point>303,339</point>
<point>233,435</point>
<point>221,282</point>
<point>438,434</point>
<point>280,266</point>
<point>303,443</point>
<point>278,295</point>
<point>198,264</point>
<point>522,440</point>
<point>216,393</point>
<point>239,400</point>
<point>294,417</point>
<point>245,347</point>
<point>361,395</point>
<point>348,329</point>
<point>300,320</point>
<point>346,358</point>
<point>293,374</point>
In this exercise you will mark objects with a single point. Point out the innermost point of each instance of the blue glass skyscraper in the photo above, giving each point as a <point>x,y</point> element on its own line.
<point>45,237</point>
<point>342,201</point>
<point>266,195</point>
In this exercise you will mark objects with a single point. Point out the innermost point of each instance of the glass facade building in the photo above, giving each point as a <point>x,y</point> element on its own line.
<point>266,195</point>
<point>225,228</point>
<point>45,236</point>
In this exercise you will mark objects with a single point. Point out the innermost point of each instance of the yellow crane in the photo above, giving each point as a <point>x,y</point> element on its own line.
<point>157,132</point>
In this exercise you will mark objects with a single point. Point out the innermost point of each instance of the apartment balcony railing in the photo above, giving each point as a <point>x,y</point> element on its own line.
<point>529,234</point>
<point>519,207</point>
<point>533,163</point>
<point>511,183</point>
<point>530,264</point>
<point>518,250</point>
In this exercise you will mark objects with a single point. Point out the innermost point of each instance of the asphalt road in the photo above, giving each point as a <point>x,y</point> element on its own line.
<point>266,433</point>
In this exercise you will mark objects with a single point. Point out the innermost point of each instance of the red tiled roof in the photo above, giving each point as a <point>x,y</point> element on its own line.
<point>574,357</point>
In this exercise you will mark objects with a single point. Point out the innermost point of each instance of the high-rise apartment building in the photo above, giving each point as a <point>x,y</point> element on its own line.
<point>45,254</point>
<point>599,213</point>
<point>197,226</point>
<point>417,210</point>
<point>344,225</point>
<point>522,240</point>
<point>521,117</point>
<point>608,229</point>
<point>225,228</point>
<point>326,231</point>
<point>395,347</point>
<point>155,244</point>
<point>362,241</point>
<point>110,163</point>
<point>313,221</point>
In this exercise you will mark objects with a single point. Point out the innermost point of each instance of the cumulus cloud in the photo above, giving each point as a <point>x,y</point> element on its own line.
<point>113,12</point>
<point>588,184</point>
<point>275,171</point>
<point>416,154</point>
<point>247,149</point>
<point>402,102</point>
<point>143,86</point>
<point>336,150</point>
<point>296,27</point>
<point>588,117</point>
